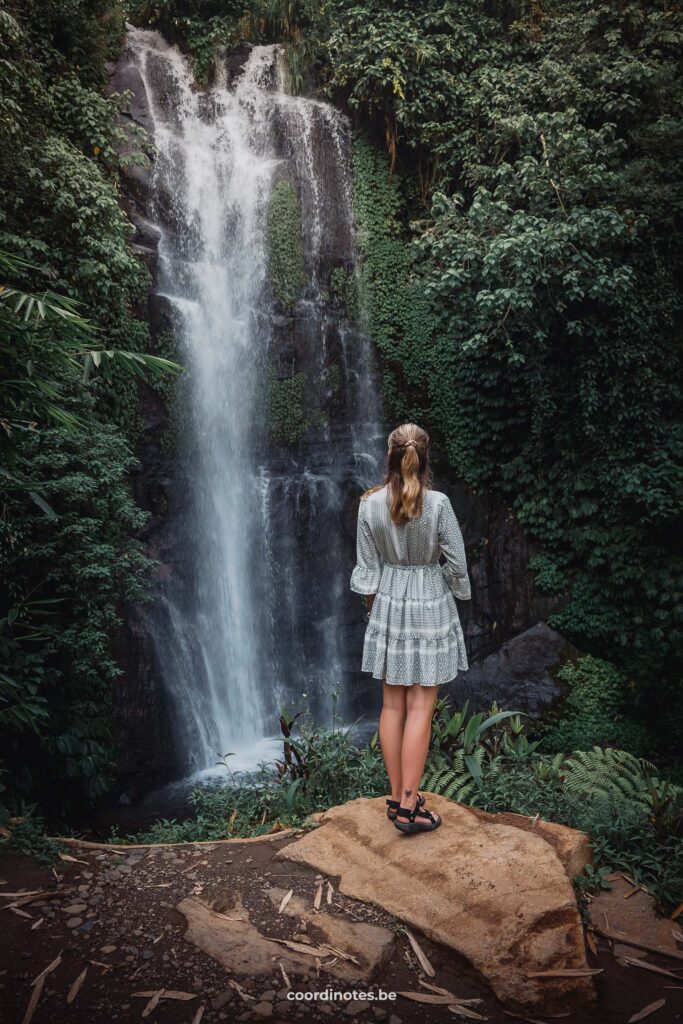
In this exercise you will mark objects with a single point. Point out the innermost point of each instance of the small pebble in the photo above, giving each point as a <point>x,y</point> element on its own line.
<point>263,1009</point>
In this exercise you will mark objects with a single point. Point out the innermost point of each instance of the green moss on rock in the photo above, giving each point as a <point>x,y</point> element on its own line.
<point>287,415</point>
<point>284,245</point>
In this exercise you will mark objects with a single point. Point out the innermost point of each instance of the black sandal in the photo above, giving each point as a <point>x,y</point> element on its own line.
<point>392,809</point>
<point>411,825</point>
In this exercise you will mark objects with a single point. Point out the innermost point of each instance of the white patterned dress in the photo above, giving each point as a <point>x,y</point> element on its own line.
<point>414,633</point>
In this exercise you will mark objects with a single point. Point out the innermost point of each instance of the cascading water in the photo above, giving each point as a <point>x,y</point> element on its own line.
<point>256,609</point>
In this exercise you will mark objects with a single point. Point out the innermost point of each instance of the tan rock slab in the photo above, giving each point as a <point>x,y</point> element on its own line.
<point>370,944</point>
<point>496,893</point>
<point>230,938</point>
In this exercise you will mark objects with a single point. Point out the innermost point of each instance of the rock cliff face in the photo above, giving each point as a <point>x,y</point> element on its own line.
<point>317,443</point>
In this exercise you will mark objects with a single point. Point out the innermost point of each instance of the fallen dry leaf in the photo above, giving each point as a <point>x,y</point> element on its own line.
<point>48,970</point>
<point>199,1014</point>
<point>462,1011</point>
<point>318,896</point>
<point>243,994</point>
<point>330,890</point>
<point>46,894</point>
<point>534,1020</point>
<point>191,867</point>
<point>299,947</point>
<point>77,985</point>
<point>105,967</point>
<point>285,900</point>
<point>566,972</point>
<point>635,962</point>
<point>227,917</point>
<point>37,923</point>
<point>18,895</point>
<point>592,945</point>
<point>19,913</point>
<point>445,992</point>
<point>153,1003</point>
<point>342,954</point>
<point>419,953</point>
<point>647,1010</point>
<point>284,975</point>
<point>33,1001</point>
<point>427,997</point>
<point>72,860</point>
<point>167,993</point>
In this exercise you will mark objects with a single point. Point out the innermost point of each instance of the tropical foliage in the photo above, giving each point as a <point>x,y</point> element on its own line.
<point>519,279</point>
<point>69,287</point>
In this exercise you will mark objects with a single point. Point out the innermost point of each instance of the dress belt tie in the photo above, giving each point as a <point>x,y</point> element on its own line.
<point>414,565</point>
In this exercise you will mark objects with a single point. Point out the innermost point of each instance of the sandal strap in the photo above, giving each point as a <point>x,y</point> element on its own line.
<point>405,812</point>
<point>424,814</point>
<point>416,812</point>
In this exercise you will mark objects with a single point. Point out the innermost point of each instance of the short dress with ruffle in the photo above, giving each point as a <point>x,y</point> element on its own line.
<point>414,633</point>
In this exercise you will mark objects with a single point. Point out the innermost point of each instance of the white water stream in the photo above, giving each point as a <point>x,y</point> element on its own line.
<point>252,627</point>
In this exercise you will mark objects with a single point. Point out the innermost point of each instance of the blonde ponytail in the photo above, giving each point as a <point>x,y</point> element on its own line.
<point>408,472</point>
<point>411,486</point>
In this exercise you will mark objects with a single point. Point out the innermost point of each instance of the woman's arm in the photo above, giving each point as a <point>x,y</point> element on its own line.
<point>453,547</point>
<point>368,569</point>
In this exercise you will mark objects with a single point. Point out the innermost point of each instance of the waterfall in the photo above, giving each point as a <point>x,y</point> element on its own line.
<point>254,609</point>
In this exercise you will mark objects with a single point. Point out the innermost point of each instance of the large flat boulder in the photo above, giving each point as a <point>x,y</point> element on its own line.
<point>497,893</point>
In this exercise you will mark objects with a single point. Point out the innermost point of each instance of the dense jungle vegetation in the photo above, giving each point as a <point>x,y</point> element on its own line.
<point>517,179</point>
<point>69,306</point>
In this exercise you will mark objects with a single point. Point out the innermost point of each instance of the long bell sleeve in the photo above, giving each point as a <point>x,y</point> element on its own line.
<point>453,547</point>
<point>368,569</point>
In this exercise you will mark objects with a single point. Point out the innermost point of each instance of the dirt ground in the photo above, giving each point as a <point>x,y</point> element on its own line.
<point>112,915</point>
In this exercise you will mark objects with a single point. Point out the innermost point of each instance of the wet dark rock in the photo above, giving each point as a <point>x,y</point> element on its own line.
<point>125,77</point>
<point>520,676</point>
<point>219,1001</point>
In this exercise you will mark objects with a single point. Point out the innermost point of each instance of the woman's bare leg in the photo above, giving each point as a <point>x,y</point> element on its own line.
<point>391,723</point>
<point>420,704</point>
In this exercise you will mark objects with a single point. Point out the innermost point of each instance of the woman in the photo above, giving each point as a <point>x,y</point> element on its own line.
<point>413,640</point>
